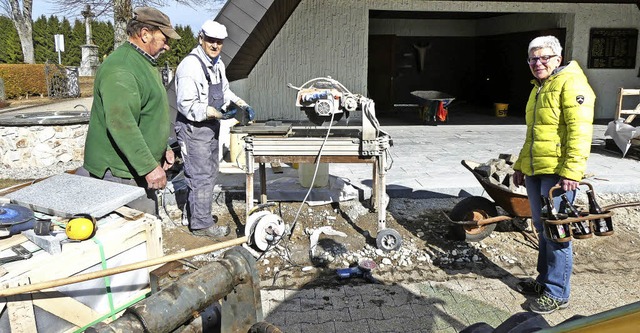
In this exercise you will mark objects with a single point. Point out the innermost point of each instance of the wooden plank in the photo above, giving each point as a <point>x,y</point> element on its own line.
<point>65,307</point>
<point>22,319</point>
<point>630,92</point>
<point>129,213</point>
<point>154,241</point>
<point>11,241</point>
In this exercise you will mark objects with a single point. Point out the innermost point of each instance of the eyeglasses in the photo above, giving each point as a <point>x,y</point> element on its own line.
<point>543,59</point>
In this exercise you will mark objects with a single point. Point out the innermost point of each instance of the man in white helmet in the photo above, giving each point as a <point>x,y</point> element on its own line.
<point>203,98</point>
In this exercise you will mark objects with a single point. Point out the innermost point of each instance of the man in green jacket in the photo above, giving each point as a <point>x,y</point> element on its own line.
<point>129,125</point>
<point>559,117</point>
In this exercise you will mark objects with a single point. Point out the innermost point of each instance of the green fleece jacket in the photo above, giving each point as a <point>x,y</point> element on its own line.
<point>559,118</point>
<point>129,124</point>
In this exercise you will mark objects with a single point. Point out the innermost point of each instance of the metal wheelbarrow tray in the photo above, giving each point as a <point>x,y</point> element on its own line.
<point>476,217</point>
<point>427,99</point>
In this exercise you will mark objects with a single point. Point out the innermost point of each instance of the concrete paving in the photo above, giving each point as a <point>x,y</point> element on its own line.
<point>426,164</point>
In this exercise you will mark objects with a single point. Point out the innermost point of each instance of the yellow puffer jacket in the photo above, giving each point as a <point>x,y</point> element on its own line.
<point>559,118</point>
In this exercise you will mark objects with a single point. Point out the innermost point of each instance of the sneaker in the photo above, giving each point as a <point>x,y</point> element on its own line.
<point>530,287</point>
<point>545,305</point>
<point>214,231</point>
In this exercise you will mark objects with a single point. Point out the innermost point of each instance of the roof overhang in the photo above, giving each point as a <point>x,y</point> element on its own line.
<point>252,26</point>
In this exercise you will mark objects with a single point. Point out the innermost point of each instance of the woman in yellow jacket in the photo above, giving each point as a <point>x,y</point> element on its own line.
<point>559,117</point>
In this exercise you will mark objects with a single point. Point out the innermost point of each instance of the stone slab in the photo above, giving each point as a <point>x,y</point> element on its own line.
<point>66,195</point>
<point>51,243</point>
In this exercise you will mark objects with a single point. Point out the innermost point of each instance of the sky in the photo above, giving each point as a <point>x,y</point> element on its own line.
<point>178,14</point>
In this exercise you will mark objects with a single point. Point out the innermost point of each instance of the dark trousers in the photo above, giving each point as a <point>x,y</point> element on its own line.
<point>199,148</point>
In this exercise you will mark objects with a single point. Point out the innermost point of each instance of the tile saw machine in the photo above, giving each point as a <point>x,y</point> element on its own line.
<point>331,136</point>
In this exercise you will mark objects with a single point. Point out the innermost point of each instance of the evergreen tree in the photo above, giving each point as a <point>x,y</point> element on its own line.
<point>43,43</point>
<point>102,35</point>
<point>64,29</point>
<point>10,52</point>
<point>179,48</point>
<point>73,49</point>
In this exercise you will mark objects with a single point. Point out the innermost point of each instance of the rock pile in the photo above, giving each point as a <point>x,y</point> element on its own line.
<point>499,171</point>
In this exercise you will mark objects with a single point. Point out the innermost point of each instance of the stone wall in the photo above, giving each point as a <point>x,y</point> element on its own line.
<point>29,152</point>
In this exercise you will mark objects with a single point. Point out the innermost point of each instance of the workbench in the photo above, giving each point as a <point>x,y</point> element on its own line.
<point>302,144</point>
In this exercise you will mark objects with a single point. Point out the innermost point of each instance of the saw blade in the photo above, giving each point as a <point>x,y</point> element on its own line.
<point>13,214</point>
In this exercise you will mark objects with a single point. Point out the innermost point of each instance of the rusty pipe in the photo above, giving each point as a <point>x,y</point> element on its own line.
<point>171,307</point>
<point>621,205</point>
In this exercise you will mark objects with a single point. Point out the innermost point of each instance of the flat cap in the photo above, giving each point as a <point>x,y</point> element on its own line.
<point>214,29</point>
<point>156,18</point>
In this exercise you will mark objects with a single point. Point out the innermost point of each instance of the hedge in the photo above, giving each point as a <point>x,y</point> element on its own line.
<point>23,80</point>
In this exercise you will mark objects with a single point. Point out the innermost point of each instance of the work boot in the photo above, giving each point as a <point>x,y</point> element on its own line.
<point>530,287</point>
<point>214,231</point>
<point>545,305</point>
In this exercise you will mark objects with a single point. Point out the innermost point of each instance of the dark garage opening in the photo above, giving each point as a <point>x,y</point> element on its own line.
<point>477,70</point>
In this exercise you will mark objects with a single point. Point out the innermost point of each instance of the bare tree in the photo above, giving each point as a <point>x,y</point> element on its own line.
<point>21,18</point>
<point>122,10</point>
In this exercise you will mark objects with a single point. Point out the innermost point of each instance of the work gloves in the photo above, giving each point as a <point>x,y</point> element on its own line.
<point>248,115</point>
<point>213,113</point>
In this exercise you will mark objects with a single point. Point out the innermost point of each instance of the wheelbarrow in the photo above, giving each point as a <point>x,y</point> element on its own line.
<point>431,101</point>
<point>476,217</point>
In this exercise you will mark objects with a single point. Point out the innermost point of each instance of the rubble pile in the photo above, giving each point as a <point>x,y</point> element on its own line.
<point>499,171</point>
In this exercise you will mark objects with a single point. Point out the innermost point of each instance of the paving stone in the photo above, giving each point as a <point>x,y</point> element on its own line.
<point>394,311</point>
<point>329,292</point>
<point>346,302</point>
<point>291,328</point>
<point>327,327</point>
<point>392,325</point>
<point>314,304</point>
<point>334,315</point>
<point>306,317</point>
<point>368,312</point>
<point>292,304</point>
<point>356,326</point>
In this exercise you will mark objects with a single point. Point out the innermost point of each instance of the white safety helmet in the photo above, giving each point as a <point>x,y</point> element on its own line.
<point>214,29</point>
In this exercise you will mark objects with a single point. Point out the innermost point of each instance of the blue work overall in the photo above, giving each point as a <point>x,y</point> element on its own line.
<point>199,147</point>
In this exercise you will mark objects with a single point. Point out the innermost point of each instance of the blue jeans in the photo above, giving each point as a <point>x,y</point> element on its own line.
<point>555,259</point>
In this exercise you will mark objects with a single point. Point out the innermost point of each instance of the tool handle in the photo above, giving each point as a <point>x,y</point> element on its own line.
<point>120,269</point>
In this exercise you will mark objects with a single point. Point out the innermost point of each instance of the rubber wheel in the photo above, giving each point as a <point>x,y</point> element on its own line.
<point>264,327</point>
<point>388,240</point>
<point>473,209</point>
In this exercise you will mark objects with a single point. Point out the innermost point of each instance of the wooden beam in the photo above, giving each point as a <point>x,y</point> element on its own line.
<point>65,307</point>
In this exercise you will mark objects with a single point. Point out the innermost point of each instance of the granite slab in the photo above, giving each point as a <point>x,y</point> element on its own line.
<point>66,195</point>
